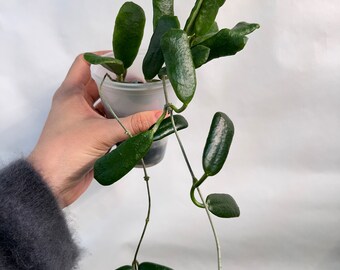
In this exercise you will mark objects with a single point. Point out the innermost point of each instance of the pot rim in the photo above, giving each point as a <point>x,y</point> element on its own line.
<point>126,86</point>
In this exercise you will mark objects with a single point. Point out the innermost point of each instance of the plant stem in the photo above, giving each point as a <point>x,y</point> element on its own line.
<point>107,105</point>
<point>218,247</point>
<point>146,176</point>
<point>203,204</point>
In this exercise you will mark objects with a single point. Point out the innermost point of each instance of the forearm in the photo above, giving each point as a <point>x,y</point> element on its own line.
<point>33,231</point>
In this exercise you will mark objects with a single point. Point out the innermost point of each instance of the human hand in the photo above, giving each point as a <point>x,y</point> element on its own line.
<point>76,134</point>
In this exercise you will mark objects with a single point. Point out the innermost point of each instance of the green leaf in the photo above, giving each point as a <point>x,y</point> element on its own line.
<point>223,205</point>
<point>152,266</point>
<point>154,60</point>
<point>218,143</point>
<point>213,28</point>
<point>160,8</point>
<point>244,28</point>
<point>179,64</point>
<point>224,43</point>
<point>114,165</point>
<point>206,17</point>
<point>200,55</point>
<point>114,65</point>
<point>202,17</point>
<point>125,267</point>
<point>166,128</point>
<point>128,32</point>
<point>220,2</point>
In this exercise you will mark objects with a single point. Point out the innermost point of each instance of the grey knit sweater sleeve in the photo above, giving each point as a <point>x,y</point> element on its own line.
<point>33,231</point>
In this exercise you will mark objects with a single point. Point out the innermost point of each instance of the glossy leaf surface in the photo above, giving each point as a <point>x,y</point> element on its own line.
<point>154,60</point>
<point>224,43</point>
<point>202,17</point>
<point>114,165</point>
<point>166,128</point>
<point>160,8</point>
<point>218,143</point>
<point>223,205</point>
<point>206,17</point>
<point>179,64</point>
<point>244,28</point>
<point>128,33</point>
<point>200,55</point>
<point>152,266</point>
<point>220,2</point>
<point>125,267</point>
<point>114,65</point>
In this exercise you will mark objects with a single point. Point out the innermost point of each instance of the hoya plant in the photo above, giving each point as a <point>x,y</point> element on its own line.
<point>174,54</point>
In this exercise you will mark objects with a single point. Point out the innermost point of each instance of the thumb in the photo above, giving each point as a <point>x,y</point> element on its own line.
<point>135,124</point>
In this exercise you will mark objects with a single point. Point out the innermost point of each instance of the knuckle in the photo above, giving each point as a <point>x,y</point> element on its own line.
<point>138,123</point>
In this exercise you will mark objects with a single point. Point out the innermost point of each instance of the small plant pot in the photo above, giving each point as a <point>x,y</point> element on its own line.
<point>134,95</point>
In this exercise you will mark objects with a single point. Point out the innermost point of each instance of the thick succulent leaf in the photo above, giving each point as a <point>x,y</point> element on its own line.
<point>200,55</point>
<point>128,33</point>
<point>125,267</point>
<point>154,60</point>
<point>244,28</point>
<point>224,43</point>
<point>165,128</point>
<point>160,8</point>
<point>202,17</point>
<point>179,64</point>
<point>114,165</point>
<point>201,39</point>
<point>152,266</point>
<point>206,17</point>
<point>214,28</point>
<point>223,205</point>
<point>218,143</point>
<point>220,2</point>
<point>114,65</point>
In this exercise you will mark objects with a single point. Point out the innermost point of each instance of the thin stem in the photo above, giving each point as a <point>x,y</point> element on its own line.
<point>218,247</point>
<point>203,204</point>
<point>146,176</point>
<point>107,105</point>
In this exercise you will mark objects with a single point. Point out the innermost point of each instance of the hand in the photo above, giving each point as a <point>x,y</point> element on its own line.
<point>76,134</point>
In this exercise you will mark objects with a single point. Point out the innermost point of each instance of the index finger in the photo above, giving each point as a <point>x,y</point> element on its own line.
<point>79,73</point>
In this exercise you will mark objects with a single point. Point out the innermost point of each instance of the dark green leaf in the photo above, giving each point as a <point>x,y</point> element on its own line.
<point>114,65</point>
<point>200,55</point>
<point>190,23</point>
<point>128,32</point>
<point>213,28</point>
<point>125,267</point>
<point>160,8</point>
<point>202,17</point>
<point>152,266</point>
<point>166,128</point>
<point>200,39</point>
<point>218,143</point>
<point>223,205</point>
<point>220,2</point>
<point>224,43</point>
<point>154,59</point>
<point>206,17</point>
<point>179,64</point>
<point>243,28</point>
<point>114,165</point>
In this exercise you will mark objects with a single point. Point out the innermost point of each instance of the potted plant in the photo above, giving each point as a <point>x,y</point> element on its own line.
<point>170,62</point>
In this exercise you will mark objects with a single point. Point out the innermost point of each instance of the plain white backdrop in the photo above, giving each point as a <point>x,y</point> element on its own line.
<point>282,92</point>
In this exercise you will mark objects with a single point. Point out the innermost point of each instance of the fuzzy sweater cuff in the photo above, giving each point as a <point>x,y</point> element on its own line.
<point>33,230</point>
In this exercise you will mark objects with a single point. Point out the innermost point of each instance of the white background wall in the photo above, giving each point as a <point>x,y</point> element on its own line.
<point>282,93</point>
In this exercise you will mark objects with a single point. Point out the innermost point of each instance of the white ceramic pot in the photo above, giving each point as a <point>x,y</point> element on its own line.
<point>131,97</point>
